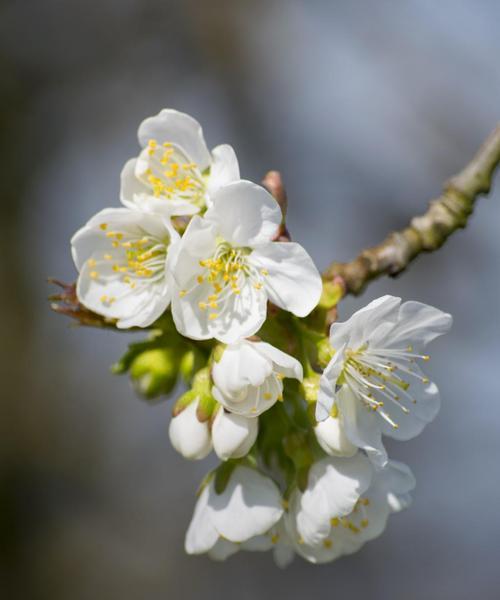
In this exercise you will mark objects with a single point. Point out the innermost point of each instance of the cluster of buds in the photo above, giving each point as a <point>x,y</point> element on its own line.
<point>294,404</point>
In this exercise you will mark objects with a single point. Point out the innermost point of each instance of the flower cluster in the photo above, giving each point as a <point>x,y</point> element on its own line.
<point>295,413</point>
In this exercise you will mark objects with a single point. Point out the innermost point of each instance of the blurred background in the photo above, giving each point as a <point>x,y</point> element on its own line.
<point>366,108</point>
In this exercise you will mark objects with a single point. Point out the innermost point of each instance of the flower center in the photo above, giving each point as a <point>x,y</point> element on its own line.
<point>223,276</point>
<point>134,258</point>
<point>167,171</point>
<point>379,375</point>
<point>356,521</point>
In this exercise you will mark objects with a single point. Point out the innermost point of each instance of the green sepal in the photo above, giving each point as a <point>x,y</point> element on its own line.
<point>204,482</point>
<point>223,474</point>
<point>303,477</point>
<point>183,402</point>
<point>206,407</point>
<point>217,352</point>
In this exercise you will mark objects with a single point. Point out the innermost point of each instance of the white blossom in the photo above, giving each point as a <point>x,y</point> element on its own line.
<point>233,435</point>
<point>374,382</point>
<point>188,435</point>
<point>175,174</point>
<point>122,259</point>
<point>249,507</point>
<point>249,376</point>
<point>226,268</point>
<point>347,503</point>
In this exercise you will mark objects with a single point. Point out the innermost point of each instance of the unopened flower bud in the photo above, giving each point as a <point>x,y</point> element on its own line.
<point>332,438</point>
<point>154,371</point>
<point>310,387</point>
<point>188,435</point>
<point>325,352</point>
<point>233,435</point>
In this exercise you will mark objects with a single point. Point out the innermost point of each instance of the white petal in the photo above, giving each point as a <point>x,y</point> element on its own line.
<point>245,214</point>
<point>241,365</point>
<point>341,480</point>
<point>224,169</point>
<point>361,426</point>
<point>327,385</point>
<point>198,242</point>
<point>131,186</point>
<point>293,282</point>
<point>332,438</point>
<point>201,534</point>
<point>356,331</point>
<point>179,129</point>
<point>283,363</point>
<point>259,543</point>
<point>421,412</point>
<point>223,549</point>
<point>418,324</point>
<point>233,435</point>
<point>132,308</point>
<point>188,436</point>
<point>249,506</point>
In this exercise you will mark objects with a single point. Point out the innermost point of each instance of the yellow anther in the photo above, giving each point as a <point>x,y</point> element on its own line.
<point>213,305</point>
<point>107,257</point>
<point>257,286</point>
<point>103,226</point>
<point>334,522</point>
<point>200,279</point>
<point>115,244</point>
<point>182,293</point>
<point>280,398</point>
<point>94,274</point>
<point>264,272</point>
<point>274,538</point>
<point>202,306</point>
<point>91,262</point>
<point>111,234</point>
<point>327,543</point>
<point>103,298</point>
<point>267,396</point>
<point>127,245</point>
<point>364,523</point>
<point>213,316</point>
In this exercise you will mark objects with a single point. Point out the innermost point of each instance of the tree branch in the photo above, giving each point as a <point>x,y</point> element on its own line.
<point>427,232</point>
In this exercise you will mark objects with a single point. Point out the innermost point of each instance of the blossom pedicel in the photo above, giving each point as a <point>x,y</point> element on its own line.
<point>199,257</point>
